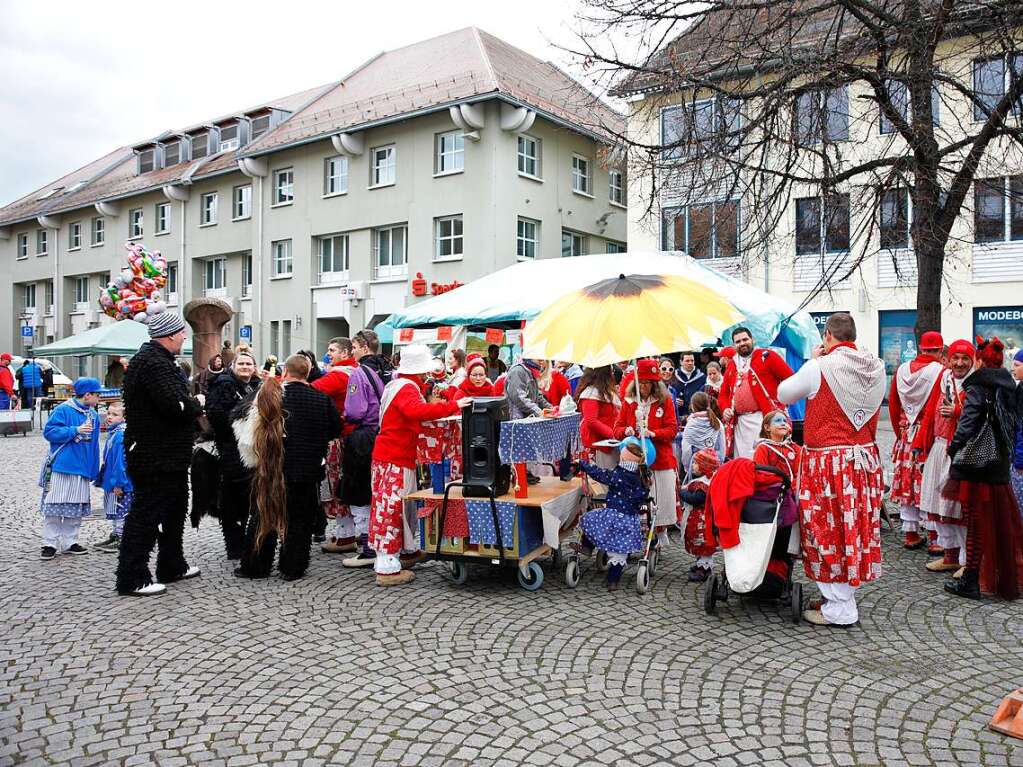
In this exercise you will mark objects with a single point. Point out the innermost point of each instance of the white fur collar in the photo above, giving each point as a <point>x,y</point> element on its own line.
<point>245,434</point>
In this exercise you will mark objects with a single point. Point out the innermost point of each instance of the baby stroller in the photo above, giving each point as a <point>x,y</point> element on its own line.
<point>760,565</point>
<point>647,564</point>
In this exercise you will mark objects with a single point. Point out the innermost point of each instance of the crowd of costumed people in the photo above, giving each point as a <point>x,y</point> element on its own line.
<point>323,449</point>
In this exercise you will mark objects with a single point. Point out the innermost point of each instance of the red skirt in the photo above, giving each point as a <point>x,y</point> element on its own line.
<point>331,505</point>
<point>993,523</point>
<point>699,537</point>
<point>907,472</point>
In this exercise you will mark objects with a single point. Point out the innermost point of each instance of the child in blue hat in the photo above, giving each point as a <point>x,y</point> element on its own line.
<point>70,468</point>
<point>118,490</point>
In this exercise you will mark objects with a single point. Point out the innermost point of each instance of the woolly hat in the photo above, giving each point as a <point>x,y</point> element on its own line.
<point>6,357</point>
<point>165,324</point>
<point>648,370</point>
<point>931,340</point>
<point>962,346</point>
<point>474,360</point>
<point>706,461</point>
<point>85,386</point>
<point>1018,356</point>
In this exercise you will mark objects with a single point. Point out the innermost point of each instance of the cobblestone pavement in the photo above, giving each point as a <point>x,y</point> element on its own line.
<point>331,669</point>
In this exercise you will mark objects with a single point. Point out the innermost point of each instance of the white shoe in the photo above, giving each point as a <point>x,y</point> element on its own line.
<point>191,572</point>
<point>149,591</point>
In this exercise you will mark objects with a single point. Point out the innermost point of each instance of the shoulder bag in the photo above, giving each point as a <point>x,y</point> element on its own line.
<point>981,450</point>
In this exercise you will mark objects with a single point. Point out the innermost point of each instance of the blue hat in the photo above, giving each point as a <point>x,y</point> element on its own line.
<point>85,386</point>
<point>1018,356</point>
<point>647,446</point>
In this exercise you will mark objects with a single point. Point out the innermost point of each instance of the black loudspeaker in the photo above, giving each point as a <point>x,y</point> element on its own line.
<point>481,431</point>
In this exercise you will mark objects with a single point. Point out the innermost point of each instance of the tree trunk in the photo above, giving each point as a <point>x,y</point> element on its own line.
<point>930,257</point>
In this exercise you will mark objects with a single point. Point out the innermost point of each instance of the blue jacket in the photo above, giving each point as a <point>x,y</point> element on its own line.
<point>1017,453</point>
<point>625,489</point>
<point>79,454</point>
<point>31,375</point>
<point>114,472</point>
<point>687,386</point>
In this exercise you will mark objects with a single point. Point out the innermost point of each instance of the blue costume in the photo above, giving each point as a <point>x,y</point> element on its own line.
<point>616,528</point>
<point>31,378</point>
<point>114,474</point>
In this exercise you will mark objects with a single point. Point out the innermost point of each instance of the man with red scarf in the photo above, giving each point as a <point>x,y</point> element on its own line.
<point>940,418</point>
<point>916,385</point>
<point>840,483</point>
<point>749,391</point>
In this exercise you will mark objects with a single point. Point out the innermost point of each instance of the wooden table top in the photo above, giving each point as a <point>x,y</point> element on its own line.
<point>548,489</point>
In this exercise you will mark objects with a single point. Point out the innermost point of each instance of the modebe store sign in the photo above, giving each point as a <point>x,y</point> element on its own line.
<point>1006,322</point>
<point>820,319</point>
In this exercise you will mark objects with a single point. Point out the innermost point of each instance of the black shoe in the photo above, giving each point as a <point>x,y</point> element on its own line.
<point>967,586</point>
<point>76,548</point>
<point>240,573</point>
<point>289,578</point>
<point>47,552</point>
<point>319,538</point>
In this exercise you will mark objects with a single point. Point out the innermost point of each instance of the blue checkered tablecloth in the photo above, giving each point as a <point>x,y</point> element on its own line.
<point>539,439</point>
<point>481,522</point>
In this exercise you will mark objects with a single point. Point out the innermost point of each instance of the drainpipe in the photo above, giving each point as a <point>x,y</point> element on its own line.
<point>52,226</point>
<point>178,193</point>
<point>257,168</point>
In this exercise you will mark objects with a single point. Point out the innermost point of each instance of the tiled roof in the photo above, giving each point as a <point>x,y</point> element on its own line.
<point>431,74</point>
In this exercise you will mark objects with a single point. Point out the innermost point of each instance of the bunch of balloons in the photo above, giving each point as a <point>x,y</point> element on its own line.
<point>135,294</point>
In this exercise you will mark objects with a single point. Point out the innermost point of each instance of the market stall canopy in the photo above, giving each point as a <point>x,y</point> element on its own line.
<point>121,338</point>
<point>522,291</point>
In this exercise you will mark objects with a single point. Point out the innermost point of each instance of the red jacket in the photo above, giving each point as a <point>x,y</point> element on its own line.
<point>731,486</point>
<point>6,380</point>
<point>768,369</point>
<point>559,388</point>
<point>662,426</point>
<point>401,425</point>
<point>598,420</point>
<point>334,383</point>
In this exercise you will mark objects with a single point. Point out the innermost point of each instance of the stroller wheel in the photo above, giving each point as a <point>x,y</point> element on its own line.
<point>643,578</point>
<point>601,560</point>
<point>653,562</point>
<point>710,594</point>
<point>572,572</point>
<point>796,602</point>
<point>722,588</point>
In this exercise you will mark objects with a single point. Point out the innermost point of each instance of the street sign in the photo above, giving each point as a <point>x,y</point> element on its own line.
<point>27,331</point>
<point>245,331</point>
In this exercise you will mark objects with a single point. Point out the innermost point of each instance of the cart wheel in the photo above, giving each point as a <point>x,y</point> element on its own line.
<point>572,573</point>
<point>459,572</point>
<point>533,578</point>
<point>710,594</point>
<point>653,562</point>
<point>643,578</point>
<point>601,559</point>
<point>796,602</point>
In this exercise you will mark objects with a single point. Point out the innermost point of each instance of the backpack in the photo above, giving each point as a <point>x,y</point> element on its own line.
<point>362,402</point>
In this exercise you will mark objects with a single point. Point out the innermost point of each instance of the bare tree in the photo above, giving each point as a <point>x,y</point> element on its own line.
<point>776,96</point>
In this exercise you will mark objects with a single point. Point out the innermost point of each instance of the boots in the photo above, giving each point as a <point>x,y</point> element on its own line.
<point>967,586</point>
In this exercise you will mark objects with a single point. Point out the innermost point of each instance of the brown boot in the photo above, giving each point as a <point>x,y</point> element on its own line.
<point>399,578</point>
<point>338,545</point>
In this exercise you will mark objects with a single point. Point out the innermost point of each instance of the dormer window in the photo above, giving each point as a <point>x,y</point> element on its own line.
<point>229,137</point>
<point>147,160</point>
<point>200,145</point>
<point>171,154</point>
<point>260,125</point>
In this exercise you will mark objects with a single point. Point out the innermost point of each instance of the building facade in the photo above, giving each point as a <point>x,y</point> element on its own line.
<point>324,212</point>
<point>860,247</point>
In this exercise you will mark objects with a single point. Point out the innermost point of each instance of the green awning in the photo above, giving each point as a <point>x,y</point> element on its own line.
<point>116,338</point>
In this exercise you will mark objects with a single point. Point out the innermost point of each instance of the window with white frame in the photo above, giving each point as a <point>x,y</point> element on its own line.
<point>709,230</point>
<point>998,209</point>
<point>42,242</point>
<point>821,115</point>
<point>242,202</point>
<point>448,236</point>
<point>992,79</point>
<point>450,156</point>
<point>99,231</point>
<point>898,94</point>
<point>335,175</point>
<point>30,296</point>
<point>581,175</point>
<point>200,145</point>
<point>134,223</point>
<point>22,246</point>
<point>614,247</point>
<point>699,126</point>
<point>172,280</point>
<point>822,229</point>
<point>527,238</point>
<point>382,165</point>
<point>259,126</point>
<point>74,235</point>
<point>282,260</point>
<point>529,156</point>
<point>208,209</point>
<point>171,153</point>
<point>146,160</point>
<point>616,187</point>
<point>214,277</point>
<point>247,273</point>
<point>163,214</point>
<point>284,186</point>
<point>572,243</point>
<point>334,257</point>
<point>893,218</point>
<point>81,293</point>
<point>390,256</point>
<point>48,297</point>
<point>229,137</point>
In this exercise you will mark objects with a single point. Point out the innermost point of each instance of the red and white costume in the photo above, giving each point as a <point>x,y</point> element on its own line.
<point>334,383</point>
<point>840,484</point>
<point>916,386</point>
<point>392,521</point>
<point>599,416</point>
<point>933,438</point>
<point>750,389</point>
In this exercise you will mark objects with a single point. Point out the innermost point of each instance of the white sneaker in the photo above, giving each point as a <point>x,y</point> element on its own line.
<point>149,591</point>
<point>191,572</point>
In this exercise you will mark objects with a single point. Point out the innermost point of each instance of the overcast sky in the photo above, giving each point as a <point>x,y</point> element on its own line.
<point>78,80</point>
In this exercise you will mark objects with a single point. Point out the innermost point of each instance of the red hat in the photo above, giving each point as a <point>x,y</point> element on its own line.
<point>706,461</point>
<point>474,360</point>
<point>991,352</point>
<point>648,370</point>
<point>727,352</point>
<point>6,357</point>
<point>932,340</point>
<point>962,346</point>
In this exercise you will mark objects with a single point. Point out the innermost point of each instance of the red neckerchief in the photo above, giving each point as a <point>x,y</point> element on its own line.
<point>841,344</point>
<point>472,390</point>
<point>419,381</point>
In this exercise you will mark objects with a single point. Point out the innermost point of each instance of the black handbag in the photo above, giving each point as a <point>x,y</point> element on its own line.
<point>981,450</point>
